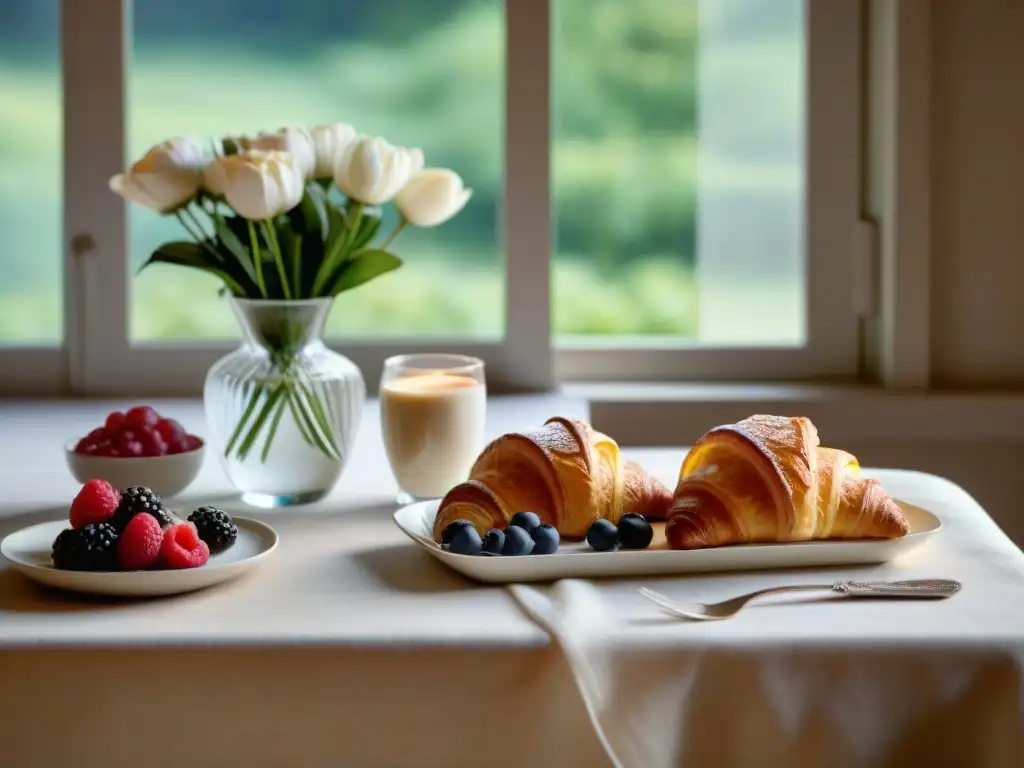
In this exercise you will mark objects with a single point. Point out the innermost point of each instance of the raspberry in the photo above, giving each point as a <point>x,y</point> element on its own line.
<point>182,547</point>
<point>95,503</point>
<point>127,444</point>
<point>151,442</point>
<point>139,546</point>
<point>170,430</point>
<point>141,416</point>
<point>94,438</point>
<point>192,443</point>
<point>114,422</point>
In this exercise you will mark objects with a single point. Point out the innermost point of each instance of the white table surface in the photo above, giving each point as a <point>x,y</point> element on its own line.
<point>351,646</point>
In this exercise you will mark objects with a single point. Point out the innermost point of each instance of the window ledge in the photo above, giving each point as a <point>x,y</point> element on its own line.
<point>674,414</point>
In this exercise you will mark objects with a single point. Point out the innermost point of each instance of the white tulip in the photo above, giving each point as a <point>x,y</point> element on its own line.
<point>166,177</point>
<point>372,171</point>
<point>330,142</point>
<point>432,197</point>
<point>259,184</point>
<point>293,139</point>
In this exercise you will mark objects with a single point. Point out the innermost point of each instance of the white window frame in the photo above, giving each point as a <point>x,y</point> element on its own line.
<point>97,357</point>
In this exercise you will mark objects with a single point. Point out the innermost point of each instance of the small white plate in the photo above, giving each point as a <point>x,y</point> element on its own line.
<point>578,560</point>
<point>28,550</point>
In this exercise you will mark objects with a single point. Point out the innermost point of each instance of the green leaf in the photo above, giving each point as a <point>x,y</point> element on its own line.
<point>363,267</point>
<point>233,245</point>
<point>186,254</point>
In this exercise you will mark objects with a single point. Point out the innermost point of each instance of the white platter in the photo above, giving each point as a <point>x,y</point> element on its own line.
<point>28,551</point>
<point>578,560</point>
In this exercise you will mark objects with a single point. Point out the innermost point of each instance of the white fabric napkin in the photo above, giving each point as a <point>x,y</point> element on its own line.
<point>797,681</point>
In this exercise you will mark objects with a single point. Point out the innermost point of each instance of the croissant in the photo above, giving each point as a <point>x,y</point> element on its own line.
<point>566,472</point>
<point>766,479</point>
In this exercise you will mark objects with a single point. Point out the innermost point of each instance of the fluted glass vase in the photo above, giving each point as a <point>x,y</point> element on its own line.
<point>283,409</point>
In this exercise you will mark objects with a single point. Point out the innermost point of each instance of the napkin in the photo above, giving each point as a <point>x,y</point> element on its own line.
<point>799,680</point>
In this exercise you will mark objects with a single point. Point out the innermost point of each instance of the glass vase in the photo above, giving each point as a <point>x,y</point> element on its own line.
<point>283,409</point>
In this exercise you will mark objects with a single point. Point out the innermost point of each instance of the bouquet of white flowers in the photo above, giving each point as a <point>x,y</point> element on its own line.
<point>289,215</point>
<point>262,217</point>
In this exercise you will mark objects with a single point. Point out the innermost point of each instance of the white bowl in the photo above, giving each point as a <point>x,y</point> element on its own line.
<point>166,475</point>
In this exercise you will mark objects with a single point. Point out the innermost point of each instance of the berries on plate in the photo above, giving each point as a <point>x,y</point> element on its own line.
<point>93,547</point>
<point>95,503</point>
<point>451,528</point>
<point>137,500</point>
<point>465,540</point>
<point>634,531</point>
<point>525,520</point>
<point>545,539</point>
<point>138,546</point>
<point>603,535</point>
<point>215,527</point>
<point>494,541</point>
<point>139,432</point>
<point>182,547</point>
<point>517,542</point>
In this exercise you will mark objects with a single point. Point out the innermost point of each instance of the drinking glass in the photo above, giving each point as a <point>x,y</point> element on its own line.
<point>433,410</point>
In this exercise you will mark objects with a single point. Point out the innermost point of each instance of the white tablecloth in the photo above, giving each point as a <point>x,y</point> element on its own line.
<point>351,647</point>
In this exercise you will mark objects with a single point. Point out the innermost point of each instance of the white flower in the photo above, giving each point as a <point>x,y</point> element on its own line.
<point>329,143</point>
<point>373,171</point>
<point>166,177</point>
<point>432,197</point>
<point>259,184</point>
<point>293,139</point>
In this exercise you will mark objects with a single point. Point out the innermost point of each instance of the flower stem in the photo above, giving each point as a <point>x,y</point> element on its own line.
<point>257,259</point>
<point>271,235</point>
<point>297,266</point>
<point>402,223</point>
<point>198,224</point>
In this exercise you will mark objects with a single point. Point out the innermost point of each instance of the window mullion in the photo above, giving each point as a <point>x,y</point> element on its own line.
<point>527,212</point>
<point>94,56</point>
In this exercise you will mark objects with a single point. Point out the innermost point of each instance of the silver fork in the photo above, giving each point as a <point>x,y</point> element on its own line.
<point>920,588</point>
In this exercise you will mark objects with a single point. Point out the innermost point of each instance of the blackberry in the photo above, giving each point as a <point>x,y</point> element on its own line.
<point>92,547</point>
<point>136,499</point>
<point>215,527</point>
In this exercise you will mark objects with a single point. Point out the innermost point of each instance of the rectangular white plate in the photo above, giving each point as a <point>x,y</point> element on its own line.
<point>578,560</point>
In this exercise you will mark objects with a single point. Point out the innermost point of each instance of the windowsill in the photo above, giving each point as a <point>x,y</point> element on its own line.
<point>673,414</point>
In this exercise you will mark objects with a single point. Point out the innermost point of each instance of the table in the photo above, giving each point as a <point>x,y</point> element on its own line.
<point>352,647</point>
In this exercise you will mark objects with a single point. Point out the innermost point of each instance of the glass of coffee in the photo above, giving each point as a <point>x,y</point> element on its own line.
<point>433,409</point>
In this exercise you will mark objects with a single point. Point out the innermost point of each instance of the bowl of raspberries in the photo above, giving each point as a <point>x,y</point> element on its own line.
<point>138,447</point>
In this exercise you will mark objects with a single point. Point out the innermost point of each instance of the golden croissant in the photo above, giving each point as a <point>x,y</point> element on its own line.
<point>766,479</point>
<point>566,472</point>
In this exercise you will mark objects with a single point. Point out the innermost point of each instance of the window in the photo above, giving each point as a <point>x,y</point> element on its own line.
<point>666,190</point>
<point>31,287</point>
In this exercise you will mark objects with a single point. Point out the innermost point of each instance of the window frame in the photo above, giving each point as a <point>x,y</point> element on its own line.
<point>98,358</point>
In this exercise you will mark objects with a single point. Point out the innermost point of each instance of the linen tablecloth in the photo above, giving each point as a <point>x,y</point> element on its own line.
<point>351,647</point>
<point>810,680</point>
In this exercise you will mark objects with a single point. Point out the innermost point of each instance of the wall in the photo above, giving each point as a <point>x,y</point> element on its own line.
<point>977,192</point>
<point>977,307</point>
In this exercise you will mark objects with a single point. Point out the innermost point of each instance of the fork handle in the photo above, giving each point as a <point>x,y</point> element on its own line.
<point>914,588</point>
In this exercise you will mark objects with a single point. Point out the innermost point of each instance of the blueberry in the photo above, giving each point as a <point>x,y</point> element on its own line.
<point>485,553</point>
<point>451,528</point>
<point>634,531</point>
<point>494,541</point>
<point>603,535</point>
<point>545,540</point>
<point>517,542</point>
<point>465,541</point>
<point>526,520</point>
